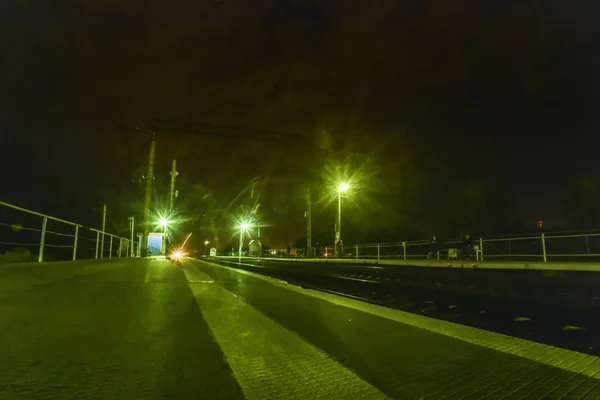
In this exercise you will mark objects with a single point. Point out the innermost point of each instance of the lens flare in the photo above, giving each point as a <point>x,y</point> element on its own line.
<point>178,255</point>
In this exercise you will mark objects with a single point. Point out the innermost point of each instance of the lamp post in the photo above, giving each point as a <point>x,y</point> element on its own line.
<point>206,242</point>
<point>132,227</point>
<point>244,226</point>
<point>342,188</point>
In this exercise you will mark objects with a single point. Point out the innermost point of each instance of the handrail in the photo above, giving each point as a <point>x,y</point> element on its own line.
<point>100,249</point>
<point>514,238</point>
<point>2,203</point>
<point>542,246</point>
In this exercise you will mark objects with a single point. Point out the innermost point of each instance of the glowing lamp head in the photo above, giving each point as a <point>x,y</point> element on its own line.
<point>163,222</point>
<point>343,187</point>
<point>244,226</point>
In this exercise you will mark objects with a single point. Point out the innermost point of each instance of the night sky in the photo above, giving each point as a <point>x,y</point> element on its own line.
<point>450,115</point>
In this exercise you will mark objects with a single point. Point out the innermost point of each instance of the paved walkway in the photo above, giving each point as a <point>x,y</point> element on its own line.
<point>144,329</point>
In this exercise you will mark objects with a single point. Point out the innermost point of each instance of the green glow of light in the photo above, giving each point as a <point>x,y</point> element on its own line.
<point>343,187</point>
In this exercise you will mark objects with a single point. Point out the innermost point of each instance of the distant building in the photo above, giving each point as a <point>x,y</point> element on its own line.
<point>155,243</point>
<point>254,246</point>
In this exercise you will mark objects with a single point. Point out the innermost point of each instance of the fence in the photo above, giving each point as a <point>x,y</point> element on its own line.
<point>544,247</point>
<point>27,235</point>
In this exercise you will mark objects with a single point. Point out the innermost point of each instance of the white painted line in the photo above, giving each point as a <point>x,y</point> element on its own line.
<point>269,361</point>
<point>585,364</point>
<point>265,278</point>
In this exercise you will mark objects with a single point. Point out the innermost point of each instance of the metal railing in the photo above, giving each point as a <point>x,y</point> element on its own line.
<point>542,247</point>
<point>23,233</point>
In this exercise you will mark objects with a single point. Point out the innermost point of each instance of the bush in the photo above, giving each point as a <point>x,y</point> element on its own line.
<point>19,254</point>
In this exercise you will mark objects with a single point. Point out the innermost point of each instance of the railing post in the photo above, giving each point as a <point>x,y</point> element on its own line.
<point>127,252</point>
<point>378,252</point>
<point>43,239</point>
<point>404,248</point>
<point>110,247</point>
<point>544,247</point>
<point>75,242</point>
<point>97,243</point>
<point>481,248</point>
<point>357,252</point>
<point>587,244</point>
<point>120,246</point>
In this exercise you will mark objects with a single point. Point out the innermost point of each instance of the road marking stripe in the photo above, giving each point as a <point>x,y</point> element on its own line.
<point>269,361</point>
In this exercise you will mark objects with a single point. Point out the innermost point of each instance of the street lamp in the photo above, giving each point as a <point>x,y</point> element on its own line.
<point>206,242</point>
<point>342,188</point>
<point>244,226</point>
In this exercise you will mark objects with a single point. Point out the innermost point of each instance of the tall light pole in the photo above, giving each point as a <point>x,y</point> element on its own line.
<point>309,253</point>
<point>172,192</point>
<point>244,226</point>
<point>342,188</point>
<point>206,242</point>
<point>148,196</point>
<point>103,230</point>
<point>132,227</point>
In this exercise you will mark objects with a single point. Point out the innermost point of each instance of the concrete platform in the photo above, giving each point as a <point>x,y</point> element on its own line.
<point>533,265</point>
<point>145,329</point>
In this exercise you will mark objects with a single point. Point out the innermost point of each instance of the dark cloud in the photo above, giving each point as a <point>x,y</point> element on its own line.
<point>443,91</point>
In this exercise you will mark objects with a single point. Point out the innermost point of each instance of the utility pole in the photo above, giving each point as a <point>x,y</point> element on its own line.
<point>338,235</point>
<point>132,227</point>
<point>259,242</point>
<point>215,242</point>
<point>103,229</point>
<point>148,196</point>
<point>174,173</point>
<point>308,225</point>
<point>172,194</point>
